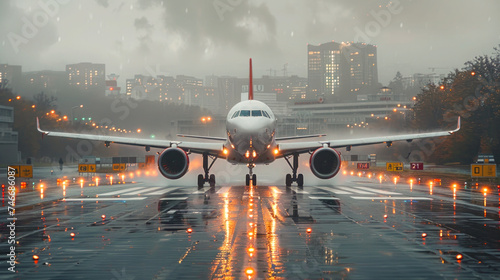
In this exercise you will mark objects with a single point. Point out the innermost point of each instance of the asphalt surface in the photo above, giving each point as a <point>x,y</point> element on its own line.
<point>355,228</point>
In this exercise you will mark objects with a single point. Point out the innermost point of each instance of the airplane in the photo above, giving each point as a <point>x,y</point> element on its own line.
<point>251,139</point>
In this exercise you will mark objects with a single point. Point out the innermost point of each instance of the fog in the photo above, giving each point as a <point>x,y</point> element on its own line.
<point>217,37</point>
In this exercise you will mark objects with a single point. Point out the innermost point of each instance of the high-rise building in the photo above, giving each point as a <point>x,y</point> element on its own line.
<point>340,71</point>
<point>87,76</point>
<point>48,81</point>
<point>11,76</point>
<point>8,137</point>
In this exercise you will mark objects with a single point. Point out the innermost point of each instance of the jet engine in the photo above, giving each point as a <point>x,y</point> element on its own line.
<point>173,163</point>
<point>325,163</point>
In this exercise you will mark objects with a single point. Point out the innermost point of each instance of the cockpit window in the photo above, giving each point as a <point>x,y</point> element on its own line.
<point>256,113</point>
<point>235,114</point>
<point>266,114</point>
<point>245,113</point>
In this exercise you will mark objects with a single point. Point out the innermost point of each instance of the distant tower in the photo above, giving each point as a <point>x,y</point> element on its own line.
<point>113,77</point>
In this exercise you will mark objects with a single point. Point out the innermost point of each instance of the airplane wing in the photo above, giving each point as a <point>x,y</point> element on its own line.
<point>214,149</point>
<point>303,147</point>
<point>299,137</point>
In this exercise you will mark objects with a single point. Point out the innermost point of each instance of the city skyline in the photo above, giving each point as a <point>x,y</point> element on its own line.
<point>199,39</point>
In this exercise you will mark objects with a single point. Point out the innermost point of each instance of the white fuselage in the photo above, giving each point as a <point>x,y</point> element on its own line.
<point>251,129</point>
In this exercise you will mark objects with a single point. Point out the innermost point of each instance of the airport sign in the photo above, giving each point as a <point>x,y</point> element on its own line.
<point>483,170</point>
<point>363,165</point>
<point>417,166</point>
<point>394,166</point>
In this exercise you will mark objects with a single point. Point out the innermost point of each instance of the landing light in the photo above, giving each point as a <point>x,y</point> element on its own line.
<point>459,257</point>
<point>247,154</point>
<point>103,217</point>
<point>189,230</point>
<point>276,151</point>
<point>309,230</point>
<point>35,257</point>
<point>424,235</point>
<point>72,234</point>
<point>225,151</point>
<point>254,154</point>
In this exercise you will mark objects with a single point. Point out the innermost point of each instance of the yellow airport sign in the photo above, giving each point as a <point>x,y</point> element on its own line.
<point>92,168</point>
<point>82,168</point>
<point>26,171</point>
<point>23,171</point>
<point>483,170</point>
<point>16,169</point>
<point>116,167</point>
<point>394,166</point>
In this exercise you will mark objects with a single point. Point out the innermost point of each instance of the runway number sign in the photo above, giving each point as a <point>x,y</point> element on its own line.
<point>394,166</point>
<point>417,166</point>
<point>483,170</point>
<point>84,168</point>
<point>363,165</point>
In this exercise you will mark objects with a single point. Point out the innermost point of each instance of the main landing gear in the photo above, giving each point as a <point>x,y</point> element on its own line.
<point>290,178</point>
<point>206,168</point>
<point>250,175</point>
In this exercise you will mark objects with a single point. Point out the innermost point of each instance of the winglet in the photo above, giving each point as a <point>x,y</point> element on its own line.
<point>39,129</point>
<point>458,126</point>
<point>250,83</point>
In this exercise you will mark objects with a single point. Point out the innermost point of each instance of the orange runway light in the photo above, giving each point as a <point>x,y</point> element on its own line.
<point>424,235</point>
<point>249,271</point>
<point>189,230</point>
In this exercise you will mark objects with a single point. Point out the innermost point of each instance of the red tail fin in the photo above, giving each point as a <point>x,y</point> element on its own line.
<point>250,83</point>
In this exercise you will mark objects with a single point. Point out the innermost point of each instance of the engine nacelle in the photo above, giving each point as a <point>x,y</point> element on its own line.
<point>173,163</point>
<point>325,163</point>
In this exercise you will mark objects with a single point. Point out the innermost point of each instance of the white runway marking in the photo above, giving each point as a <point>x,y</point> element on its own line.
<point>223,190</point>
<point>377,191</point>
<point>390,197</point>
<point>143,191</point>
<point>333,190</point>
<point>121,191</point>
<point>297,190</point>
<point>103,199</point>
<point>353,190</point>
<point>324,197</point>
<point>160,192</point>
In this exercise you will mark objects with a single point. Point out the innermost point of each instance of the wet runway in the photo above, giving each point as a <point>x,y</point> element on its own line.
<point>357,228</point>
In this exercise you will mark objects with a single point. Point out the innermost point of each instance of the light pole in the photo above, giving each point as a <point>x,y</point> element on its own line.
<point>73,112</point>
<point>205,120</point>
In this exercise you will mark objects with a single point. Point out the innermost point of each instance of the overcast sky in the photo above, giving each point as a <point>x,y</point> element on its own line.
<point>203,37</point>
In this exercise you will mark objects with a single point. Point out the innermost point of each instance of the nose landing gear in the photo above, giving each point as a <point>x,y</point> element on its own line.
<point>250,175</point>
